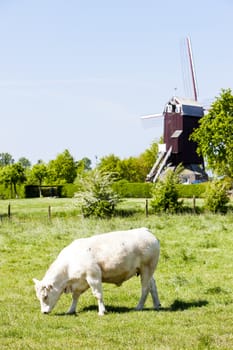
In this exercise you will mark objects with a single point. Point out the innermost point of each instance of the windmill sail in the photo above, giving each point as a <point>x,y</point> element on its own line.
<point>192,69</point>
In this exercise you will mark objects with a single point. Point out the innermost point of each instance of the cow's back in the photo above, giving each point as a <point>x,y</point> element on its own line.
<point>120,254</point>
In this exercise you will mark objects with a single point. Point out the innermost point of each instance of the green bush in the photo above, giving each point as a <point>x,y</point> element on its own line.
<point>127,189</point>
<point>69,190</point>
<point>165,194</point>
<point>191,190</point>
<point>216,197</point>
<point>96,197</point>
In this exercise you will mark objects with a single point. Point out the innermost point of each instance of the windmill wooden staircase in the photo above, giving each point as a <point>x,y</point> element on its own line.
<point>159,166</point>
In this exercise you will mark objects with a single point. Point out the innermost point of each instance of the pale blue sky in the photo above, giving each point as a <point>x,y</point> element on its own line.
<point>78,75</point>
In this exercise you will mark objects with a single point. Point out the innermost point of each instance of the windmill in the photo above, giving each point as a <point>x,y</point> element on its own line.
<point>181,116</point>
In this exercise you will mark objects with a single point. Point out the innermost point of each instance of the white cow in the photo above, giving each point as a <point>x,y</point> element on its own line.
<point>111,257</point>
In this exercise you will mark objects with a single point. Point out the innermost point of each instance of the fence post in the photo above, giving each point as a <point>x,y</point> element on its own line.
<point>147,212</point>
<point>9,211</point>
<point>194,204</point>
<point>49,212</point>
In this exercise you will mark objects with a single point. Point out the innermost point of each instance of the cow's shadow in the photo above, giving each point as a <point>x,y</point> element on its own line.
<point>109,308</point>
<point>177,305</point>
<point>181,305</point>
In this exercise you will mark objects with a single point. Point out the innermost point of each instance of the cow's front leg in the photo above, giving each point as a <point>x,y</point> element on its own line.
<point>72,309</point>
<point>96,287</point>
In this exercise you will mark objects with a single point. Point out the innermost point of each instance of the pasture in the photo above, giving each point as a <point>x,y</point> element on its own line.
<point>194,280</point>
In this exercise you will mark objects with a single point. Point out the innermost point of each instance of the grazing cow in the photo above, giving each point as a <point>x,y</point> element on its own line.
<point>110,257</point>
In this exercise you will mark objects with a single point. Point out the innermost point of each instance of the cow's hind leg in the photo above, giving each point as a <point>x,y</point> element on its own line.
<point>154,293</point>
<point>96,287</point>
<point>145,287</point>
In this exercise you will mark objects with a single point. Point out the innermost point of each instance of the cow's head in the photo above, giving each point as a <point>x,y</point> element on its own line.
<point>47,295</point>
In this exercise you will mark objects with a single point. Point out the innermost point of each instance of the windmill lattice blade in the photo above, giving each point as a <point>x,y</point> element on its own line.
<point>152,116</point>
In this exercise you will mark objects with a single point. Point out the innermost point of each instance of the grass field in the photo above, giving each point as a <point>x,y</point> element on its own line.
<point>194,280</point>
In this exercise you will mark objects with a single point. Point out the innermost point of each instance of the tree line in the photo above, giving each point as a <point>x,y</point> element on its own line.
<point>64,169</point>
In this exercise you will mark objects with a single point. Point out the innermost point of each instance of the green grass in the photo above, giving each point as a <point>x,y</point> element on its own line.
<point>194,280</point>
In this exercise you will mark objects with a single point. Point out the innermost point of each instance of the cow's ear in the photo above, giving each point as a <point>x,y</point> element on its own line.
<point>36,281</point>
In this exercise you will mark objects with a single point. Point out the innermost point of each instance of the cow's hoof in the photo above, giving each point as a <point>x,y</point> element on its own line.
<point>138,308</point>
<point>102,313</point>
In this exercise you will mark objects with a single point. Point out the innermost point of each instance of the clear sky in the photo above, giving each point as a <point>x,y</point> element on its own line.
<point>78,75</point>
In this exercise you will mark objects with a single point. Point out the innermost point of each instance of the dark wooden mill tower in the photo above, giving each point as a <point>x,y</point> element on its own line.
<point>181,117</point>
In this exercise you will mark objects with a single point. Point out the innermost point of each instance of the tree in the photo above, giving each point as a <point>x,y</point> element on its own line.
<point>215,135</point>
<point>83,165</point>
<point>6,159</point>
<point>132,169</point>
<point>12,175</point>
<point>62,169</point>
<point>109,164</point>
<point>216,197</point>
<point>147,159</point>
<point>38,173</point>
<point>25,162</point>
